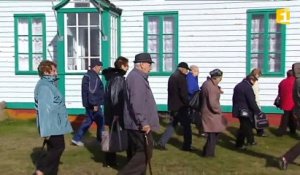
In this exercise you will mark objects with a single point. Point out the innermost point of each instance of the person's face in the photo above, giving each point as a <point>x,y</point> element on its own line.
<point>218,79</point>
<point>256,76</point>
<point>183,70</point>
<point>195,72</point>
<point>53,71</point>
<point>146,67</point>
<point>98,69</point>
<point>125,67</point>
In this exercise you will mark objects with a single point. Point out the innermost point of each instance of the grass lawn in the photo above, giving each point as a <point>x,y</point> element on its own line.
<point>20,143</point>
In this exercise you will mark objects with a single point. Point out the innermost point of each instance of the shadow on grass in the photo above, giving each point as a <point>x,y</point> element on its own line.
<point>228,142</point>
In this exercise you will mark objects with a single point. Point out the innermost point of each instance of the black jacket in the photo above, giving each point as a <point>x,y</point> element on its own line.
<point>114,94</point>
<point>92,90</point>
<point>177,91</point>
<point>244,98</point>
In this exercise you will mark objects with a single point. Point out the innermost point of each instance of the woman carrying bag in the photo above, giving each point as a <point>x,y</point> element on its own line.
<point>114,100</point>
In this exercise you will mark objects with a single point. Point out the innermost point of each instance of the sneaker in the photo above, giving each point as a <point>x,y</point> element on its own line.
<point>160,146</point>
<point>77,143</point>
<point>282,163</point>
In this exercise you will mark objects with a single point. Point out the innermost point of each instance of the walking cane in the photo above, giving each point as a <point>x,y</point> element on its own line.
<point>146,153</point>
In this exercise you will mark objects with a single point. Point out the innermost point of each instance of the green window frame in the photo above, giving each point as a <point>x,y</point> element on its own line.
<point>30,42</point>
<point>161,40</point>
<point>265,43</point>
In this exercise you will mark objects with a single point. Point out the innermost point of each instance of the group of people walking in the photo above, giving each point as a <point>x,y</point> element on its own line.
<point>131,103</point>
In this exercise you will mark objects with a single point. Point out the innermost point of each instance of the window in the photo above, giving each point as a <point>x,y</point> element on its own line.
<point>114,39</point>
<point>30,42</point>
<point>265,43</point>
<point>160,40</point>
<point>82,40</point>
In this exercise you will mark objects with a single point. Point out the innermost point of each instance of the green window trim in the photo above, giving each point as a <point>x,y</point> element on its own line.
<point>160,16</point>
<point>30,35</point>
<point>266,43</point>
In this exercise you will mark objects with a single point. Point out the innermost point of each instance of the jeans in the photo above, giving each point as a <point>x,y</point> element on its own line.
<point>182,117</point>
<point>91,117</point>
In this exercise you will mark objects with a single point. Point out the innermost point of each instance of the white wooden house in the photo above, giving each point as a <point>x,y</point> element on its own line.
<point>234,36</point>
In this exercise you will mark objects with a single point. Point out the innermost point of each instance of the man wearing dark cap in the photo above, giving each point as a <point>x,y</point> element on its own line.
<point>140,115</point>
<point>92,92</point>
<point>178,102</point>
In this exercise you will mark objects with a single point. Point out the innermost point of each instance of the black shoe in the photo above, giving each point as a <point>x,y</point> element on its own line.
<point>242,148</point>
<point>159,146</point>
<point>252,144</point>
<point>109,165</point>
<point>262,135</point>
<point>282,163</point>
<point>190,149</point>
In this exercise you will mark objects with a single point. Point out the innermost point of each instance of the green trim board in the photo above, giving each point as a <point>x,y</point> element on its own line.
<point>266,34</point>
<point>159,37</point>
<point>160,107</point>
<point>32,40</point>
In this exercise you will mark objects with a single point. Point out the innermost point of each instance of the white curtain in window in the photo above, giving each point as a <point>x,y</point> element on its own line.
<point>23,62</point>
<point>23,27</point>
<point>168,25</point>
<point>37,26</point>
<point>37,44</point>
<point>275,44</point>
<point>153,25</point>
<point>257,40</point>
<point>37,58</point>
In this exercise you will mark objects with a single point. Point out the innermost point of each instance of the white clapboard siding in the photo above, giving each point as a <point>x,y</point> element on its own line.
<point>212,34</point>
<point>19,88</point>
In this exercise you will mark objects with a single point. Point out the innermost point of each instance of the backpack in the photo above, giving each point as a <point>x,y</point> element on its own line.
<point>196,101</point>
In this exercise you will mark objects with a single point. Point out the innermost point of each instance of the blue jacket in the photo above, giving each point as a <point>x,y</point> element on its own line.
<point>52,116</point>
<point>193,85</point>
<point>140,107</point>
<point>92,90</point>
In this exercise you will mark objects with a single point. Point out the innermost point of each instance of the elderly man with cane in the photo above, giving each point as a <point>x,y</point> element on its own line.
<point>140,116</point>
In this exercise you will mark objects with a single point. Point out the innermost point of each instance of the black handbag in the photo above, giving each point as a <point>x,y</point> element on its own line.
<point>195,102</point>
<point>116,140</point>
<point>277,102</point>
<point>261,121</point>
<point>244,113</point>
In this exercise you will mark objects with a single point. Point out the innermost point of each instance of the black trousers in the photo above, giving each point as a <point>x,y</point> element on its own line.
<point>49,162</point>
<point>210,145</point>
<point>292,153</point>
<point>182,116</point>
<point>287,120</point>
<point>245,131</point>
<point>137,165</point>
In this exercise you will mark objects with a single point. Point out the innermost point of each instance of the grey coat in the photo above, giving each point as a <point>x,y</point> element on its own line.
<point>140,107</point>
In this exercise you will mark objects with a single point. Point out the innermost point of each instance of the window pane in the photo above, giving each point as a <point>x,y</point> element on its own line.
<point>153,25</point>
<point>168,62</point>
<point>72,64</point>
<point>257,24</point>
<point>37,26</point>
<point>273,26</point>
<point>155,65</point>
<point>83,41</point>
<point>23,62</point>
<point>257,43</point>
<point>95,42</point>
<point>169,43</point>
<point>275,43</point>
<point>257,61</point>
<point>83,19</point>
<point>71,41</point>
<point>23,44</point>
<point>168,25</point>
<point>37,44</point>
<point>23,26</point>
<point>153,44</point>
<point>37,58</point>
<point>84,62</point>
<point>71,19</point>
<point>274,62</point>
<point>94,18</point>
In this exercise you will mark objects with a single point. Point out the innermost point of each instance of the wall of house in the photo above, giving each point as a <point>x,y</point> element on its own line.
<point>212,34</point>
<point>19,88</point>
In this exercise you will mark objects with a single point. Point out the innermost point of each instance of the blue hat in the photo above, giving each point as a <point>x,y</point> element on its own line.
<point>95,62</point>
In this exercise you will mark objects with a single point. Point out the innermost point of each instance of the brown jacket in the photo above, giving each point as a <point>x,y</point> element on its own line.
<point>212,118</point>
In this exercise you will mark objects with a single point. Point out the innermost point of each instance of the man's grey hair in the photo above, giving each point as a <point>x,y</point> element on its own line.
<point>137,65</point>
<point>194,67</point>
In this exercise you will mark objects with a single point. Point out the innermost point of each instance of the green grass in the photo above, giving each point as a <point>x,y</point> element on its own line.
<point>20,143</point>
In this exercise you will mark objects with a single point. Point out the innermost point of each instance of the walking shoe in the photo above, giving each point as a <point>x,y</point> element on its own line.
<point>262,135</point>
<point>282,163</point>
<point>77,143</point>
<point>160,146</point>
